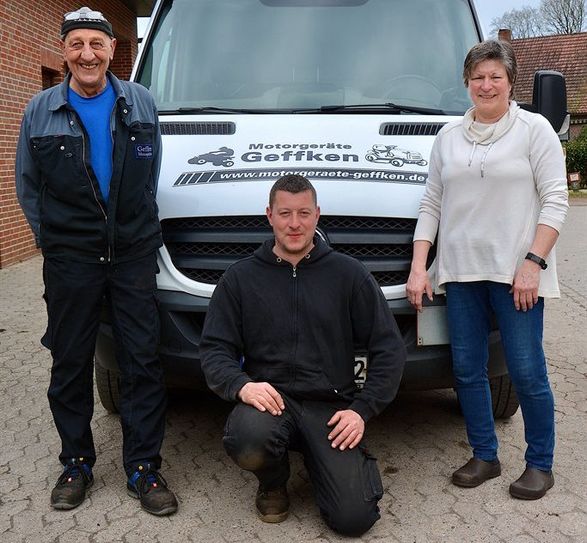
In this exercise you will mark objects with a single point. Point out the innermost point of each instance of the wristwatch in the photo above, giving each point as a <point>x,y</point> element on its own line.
<point>535,258</point>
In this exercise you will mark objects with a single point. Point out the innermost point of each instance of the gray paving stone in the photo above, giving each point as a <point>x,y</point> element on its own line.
<point>419,441</point>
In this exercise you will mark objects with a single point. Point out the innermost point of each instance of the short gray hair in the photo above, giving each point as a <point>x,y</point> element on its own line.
<point>499,50</point>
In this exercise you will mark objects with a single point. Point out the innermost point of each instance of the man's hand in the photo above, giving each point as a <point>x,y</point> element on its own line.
<point>348,430</point>
<point>263,397</point>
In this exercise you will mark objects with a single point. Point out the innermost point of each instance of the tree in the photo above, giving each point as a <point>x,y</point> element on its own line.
<point>552,17</point>
<point>525,22</point>
<point>564,16</point>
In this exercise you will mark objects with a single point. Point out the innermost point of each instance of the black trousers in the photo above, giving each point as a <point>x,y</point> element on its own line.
<point>74,292</point>
<point>347,484</point>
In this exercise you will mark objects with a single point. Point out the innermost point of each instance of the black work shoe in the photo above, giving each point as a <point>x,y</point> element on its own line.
<point>149,486</point>
<point>70,490</point>
<point>475,472</point>
<point>532,485</point>
<point>272,505</point>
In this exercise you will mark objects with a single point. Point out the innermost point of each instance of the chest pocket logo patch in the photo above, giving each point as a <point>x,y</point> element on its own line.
<point>144,150</point>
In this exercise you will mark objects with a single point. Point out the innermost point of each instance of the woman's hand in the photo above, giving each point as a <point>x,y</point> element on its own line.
<point>418,284</point>
<point>527,277</point>
<point>525,287</point>
<point>418,281</point>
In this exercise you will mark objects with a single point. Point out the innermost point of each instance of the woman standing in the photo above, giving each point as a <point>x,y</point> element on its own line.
<point>497,197</point>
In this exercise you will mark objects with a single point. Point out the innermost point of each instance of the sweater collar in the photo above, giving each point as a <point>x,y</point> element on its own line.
<point>494,131</point>
<point>490,134</point>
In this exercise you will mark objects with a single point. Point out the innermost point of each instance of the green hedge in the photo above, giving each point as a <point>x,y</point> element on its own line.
<point>577,156</point>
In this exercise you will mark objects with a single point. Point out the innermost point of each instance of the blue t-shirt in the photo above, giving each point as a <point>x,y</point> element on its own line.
<point>95,113</point>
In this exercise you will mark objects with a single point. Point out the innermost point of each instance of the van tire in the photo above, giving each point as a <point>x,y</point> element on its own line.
<point>108,388</point>
<point>503,397</point>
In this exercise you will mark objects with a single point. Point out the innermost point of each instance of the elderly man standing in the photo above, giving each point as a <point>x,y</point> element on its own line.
<point>280,338</point>
<point>87,166</point>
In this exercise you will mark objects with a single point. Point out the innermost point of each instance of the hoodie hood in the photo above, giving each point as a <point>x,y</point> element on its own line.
<point>265,252</point>
<point>490,134</point>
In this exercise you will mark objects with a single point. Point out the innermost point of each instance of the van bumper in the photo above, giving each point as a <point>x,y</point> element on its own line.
<point>182,317</point>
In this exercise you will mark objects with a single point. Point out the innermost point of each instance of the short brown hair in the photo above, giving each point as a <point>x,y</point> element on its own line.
<point>292,183</point>
<point>499,50</point>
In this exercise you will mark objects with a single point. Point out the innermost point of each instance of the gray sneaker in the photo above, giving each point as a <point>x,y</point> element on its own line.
<point>70,490</point>
<point>149,486</point>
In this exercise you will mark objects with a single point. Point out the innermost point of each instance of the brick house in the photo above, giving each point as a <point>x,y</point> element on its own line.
<point>564,53</point>
<point>31,60</point>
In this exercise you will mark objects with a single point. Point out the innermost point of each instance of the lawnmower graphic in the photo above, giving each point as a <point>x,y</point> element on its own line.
<point>222,157</point>
<point>392,154</point>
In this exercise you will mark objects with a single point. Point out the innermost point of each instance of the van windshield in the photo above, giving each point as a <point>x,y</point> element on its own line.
<point>289,55</point>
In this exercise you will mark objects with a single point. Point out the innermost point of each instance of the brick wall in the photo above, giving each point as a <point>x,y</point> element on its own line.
<point>29,53</point>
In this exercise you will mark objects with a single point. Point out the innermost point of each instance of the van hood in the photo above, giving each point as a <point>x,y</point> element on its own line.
<point>376,165</point>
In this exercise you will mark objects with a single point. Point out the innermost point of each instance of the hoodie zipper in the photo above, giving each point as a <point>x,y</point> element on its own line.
<point>296,320</point>
<point>295,325</point>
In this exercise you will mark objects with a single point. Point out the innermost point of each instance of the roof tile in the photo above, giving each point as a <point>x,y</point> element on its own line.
<point>564,53</point>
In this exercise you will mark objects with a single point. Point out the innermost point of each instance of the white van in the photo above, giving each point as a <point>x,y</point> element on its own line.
<point>349,93</point>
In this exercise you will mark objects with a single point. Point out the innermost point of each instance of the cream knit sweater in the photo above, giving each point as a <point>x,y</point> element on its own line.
<point>488,188</point>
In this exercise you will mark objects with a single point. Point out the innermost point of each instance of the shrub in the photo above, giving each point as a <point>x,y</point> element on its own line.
<point>577,155</point>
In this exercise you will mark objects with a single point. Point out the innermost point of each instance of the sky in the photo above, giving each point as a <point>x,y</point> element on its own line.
<point>487,10</point>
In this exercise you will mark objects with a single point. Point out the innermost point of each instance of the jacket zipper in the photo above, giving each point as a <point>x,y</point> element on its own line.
<point>92,185</point>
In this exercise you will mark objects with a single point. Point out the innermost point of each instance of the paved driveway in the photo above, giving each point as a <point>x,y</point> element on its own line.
<point>419,440</point>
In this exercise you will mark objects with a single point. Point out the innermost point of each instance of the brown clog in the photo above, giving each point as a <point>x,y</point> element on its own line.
<point>475,472</point>
<point>532,485</point>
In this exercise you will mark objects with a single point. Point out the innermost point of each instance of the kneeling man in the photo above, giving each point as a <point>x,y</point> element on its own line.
<point>280,338</point>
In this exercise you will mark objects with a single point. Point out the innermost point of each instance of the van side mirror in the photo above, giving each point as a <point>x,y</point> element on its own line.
<point>550,99</point>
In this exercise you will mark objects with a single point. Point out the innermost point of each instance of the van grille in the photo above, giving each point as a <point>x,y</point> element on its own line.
<point>410,129</point>
<point>197,129</point>
<point>201,248</point>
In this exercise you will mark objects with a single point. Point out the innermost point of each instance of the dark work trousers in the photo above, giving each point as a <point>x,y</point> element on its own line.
<point>74,293</point>
<point>347,484</point>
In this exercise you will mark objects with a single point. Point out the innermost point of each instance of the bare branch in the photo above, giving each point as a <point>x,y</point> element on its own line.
<point>564,16</point>
<point>553,17</point>
<point>525,22</point>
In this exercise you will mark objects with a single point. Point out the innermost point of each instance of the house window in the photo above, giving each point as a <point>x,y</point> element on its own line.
<point>50,77</point>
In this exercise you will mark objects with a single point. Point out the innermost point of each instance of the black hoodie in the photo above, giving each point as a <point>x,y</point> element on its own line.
<point>297,329</point>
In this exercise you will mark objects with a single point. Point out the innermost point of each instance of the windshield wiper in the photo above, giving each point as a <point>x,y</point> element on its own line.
<point>387,106</point>
<point>215,109</point>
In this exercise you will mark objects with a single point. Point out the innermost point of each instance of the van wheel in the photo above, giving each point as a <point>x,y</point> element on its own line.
<point>503,396</point>
<point>107,385</point>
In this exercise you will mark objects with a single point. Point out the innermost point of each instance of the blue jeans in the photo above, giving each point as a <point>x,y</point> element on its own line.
<point>470,309</point>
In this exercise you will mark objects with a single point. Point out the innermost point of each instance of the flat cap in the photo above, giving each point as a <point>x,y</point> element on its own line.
<point>85,18</point>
